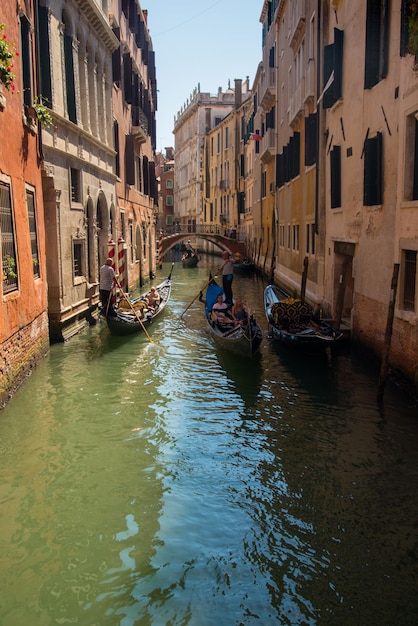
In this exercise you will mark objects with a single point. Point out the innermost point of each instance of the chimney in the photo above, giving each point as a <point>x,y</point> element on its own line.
<point>238,92</point>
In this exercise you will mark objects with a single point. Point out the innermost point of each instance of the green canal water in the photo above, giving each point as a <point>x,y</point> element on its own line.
<point>173,484</point>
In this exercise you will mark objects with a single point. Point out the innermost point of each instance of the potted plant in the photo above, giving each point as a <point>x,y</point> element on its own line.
<point>43,114</point>
<point>9,267</point>
<point>7,54</point>
<point>413,28</point>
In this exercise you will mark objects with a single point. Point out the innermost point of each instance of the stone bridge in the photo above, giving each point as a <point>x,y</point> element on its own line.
<point>233,246</point>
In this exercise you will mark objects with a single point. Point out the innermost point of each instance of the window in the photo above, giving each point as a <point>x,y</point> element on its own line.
<point>409,279</point>
<point>169,200</point>
<point>8,248</point>
<point>75,175</point>
<point>44,52</point>
<point>116,147</point>
<point>169,183</point>
<point>226,137</point>
<point>377,42</point>
<point>373,171</point>
<point>411,158</point>
<point>335,168</point>
<point>218,142</point>
<point>30,204</point>
<point>310,238</point>
<point>69,78</point>
<point>281,235</point>
<point>264,184</point>
<point>129,160</point>
<point>25,43</point>
<point>333,70</point>
<point>295,243</point>
<point>78,258</point>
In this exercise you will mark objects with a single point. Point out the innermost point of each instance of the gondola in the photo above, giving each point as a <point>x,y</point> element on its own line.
<point>244,268</point>
<point>242,340</point>
<point>294,323</point>
<point>190,261</point>
<point>134,316</point>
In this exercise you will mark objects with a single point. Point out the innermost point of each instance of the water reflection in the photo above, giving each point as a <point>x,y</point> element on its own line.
<point>165,483</point>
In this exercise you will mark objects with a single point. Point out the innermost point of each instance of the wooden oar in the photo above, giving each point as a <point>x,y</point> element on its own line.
<point>194,299</point>
<point>133,311</point>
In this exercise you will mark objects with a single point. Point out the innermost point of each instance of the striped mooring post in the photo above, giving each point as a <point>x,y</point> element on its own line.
<point>121,261</point>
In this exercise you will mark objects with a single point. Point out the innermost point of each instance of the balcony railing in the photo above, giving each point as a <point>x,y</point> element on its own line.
<point>297,101</point>
<point>139,124</point>
<point>310,80</point>
<point>268,146</point>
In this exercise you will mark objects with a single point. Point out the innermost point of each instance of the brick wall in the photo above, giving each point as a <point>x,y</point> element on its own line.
<point>369,328</point>
<point>20,353</point>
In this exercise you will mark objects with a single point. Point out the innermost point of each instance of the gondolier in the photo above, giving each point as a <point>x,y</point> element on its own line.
<point>106,284</point>
<point>227,276</point>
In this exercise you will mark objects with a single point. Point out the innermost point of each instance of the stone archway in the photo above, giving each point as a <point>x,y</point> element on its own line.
<point>103,228</point>
<point>91,241</point>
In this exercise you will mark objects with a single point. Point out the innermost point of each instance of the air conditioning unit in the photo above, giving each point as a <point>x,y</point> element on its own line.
<point>272,187</point>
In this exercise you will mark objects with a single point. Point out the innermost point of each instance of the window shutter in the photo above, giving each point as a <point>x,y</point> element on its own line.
<point>69,77</point>
<point>328,99</point>
<point>373,171</point>
<point>371,69</point>
<point>385,39</point>
<point>415,184</point>
<point>335,167</point>
<point>286,176</point>
<point>129,160</point>
<point>116,61</point>
<point>44,54</point>
<point>271,56</point>
<point>337,86</point>
<point>127,77</point>
<point>145,170</point>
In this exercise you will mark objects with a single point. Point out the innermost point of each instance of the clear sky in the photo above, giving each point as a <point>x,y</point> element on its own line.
<point>209,42</point>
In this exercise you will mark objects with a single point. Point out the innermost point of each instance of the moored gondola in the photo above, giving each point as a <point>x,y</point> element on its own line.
<point>293,322</point>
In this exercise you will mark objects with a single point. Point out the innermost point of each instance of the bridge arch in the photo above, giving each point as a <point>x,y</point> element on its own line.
<point>224,243</point>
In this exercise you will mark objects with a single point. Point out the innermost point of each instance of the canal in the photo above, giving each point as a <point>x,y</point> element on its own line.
<point>168,483</point>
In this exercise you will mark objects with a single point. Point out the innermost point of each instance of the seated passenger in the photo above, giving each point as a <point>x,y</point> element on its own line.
<point>153,298</point>
<point>221,311</point>
<point>239,312</point>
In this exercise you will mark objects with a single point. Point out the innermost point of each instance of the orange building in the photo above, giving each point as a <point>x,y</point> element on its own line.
<point>23,310</point>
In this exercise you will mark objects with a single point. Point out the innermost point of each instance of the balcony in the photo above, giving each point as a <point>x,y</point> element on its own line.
<point>268,146</point>
<point>297,102</point>
<point>139,124</point>
<point>268,88</point>
<point>310,81</point>
<point>297,22</point>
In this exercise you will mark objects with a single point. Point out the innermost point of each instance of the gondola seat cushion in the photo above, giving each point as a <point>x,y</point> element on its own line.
<point>290,313</point>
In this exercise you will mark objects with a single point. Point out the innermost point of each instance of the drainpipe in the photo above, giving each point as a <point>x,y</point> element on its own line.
<point>318,116</point>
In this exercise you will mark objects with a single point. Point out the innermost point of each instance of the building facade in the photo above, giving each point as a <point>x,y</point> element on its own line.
<point>165,177</point>
<point>134,94</point>
<point>76,44</point>
<point>371,175</point>
<point>201,112</point>
<point>23,309</point>
<point>223,168</point>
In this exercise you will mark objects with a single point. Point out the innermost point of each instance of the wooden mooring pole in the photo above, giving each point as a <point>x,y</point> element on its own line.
<point>388,334</point>
<point>304,278</point>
